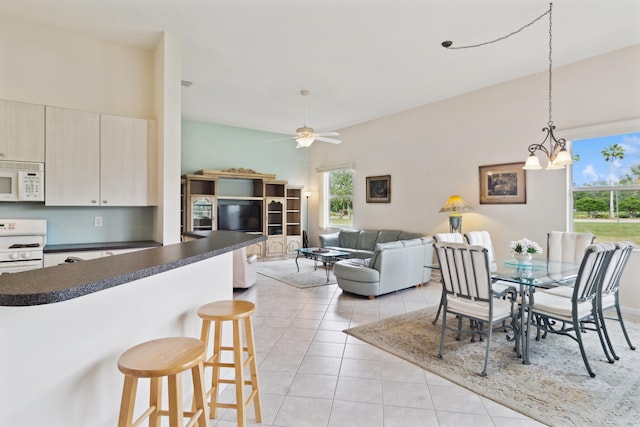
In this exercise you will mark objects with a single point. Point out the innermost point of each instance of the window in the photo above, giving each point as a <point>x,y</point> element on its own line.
<point>338,190</point>
<point>606,187</point>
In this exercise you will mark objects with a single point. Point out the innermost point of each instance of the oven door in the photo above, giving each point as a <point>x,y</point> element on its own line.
<point>18,266</point>
<point>8,186</point>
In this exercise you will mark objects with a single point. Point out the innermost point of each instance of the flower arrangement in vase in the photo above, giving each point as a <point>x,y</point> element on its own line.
<point>524,248</point>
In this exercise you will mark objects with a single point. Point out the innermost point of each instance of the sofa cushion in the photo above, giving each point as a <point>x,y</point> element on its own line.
<point>412,242</point>
<point>348,238</point>
<point>367,239</point>
<point>382,246</point>
<point>388,236</point>
<point>405,235</point>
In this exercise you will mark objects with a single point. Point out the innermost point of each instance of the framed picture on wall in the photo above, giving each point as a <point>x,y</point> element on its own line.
<point>503,184</point>
<point>379,189</point>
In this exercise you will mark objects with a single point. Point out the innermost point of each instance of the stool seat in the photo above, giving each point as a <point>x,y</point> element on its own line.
<point>161,357</point>
<point>164,357</point>
<point>226,310</point>
<point>237,312</point>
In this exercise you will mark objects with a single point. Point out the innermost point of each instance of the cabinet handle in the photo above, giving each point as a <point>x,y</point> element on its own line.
<point>94,201</point>
<point>104,201</point>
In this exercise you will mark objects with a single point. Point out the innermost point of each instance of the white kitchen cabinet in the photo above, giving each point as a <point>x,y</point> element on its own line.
<point>21,131</point>
<point>56,258</point>
<point>99,160</point>
<point>72,165</point>
<point>127,161</point>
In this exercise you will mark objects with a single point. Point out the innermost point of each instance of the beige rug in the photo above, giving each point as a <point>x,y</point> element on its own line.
<point>286,271</point>
<point>554,389</point>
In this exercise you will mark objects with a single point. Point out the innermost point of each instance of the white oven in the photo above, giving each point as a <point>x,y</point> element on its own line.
<point>22,244</point>
<point>21,182</point>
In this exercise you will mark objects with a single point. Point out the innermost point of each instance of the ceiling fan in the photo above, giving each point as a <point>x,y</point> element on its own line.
<point>305,135</point>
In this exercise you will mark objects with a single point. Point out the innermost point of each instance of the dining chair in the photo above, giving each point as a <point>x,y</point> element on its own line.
<point>557,314</point>
<point>467,285</point>
<point>608,296</point>
<point>565,246</point>
<point>483,238</point>
<point>451,238</point>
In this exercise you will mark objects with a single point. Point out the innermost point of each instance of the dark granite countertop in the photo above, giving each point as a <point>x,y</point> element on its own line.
<point>63,282</point>
<point>100,246</point>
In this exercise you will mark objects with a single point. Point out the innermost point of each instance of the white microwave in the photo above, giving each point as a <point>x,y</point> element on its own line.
<point>21,182</point>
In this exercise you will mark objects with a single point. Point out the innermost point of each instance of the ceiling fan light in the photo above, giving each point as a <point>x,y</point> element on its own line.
<point>305,141</point>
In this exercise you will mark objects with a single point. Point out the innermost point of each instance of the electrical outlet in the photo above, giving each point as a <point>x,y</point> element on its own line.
<point>98,221</point>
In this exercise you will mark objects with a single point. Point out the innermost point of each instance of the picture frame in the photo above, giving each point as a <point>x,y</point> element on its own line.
<point>503,184</point>
<point>379,189</point>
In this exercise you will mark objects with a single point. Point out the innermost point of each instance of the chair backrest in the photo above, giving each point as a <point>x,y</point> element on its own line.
<point>448,237</point>
<point>565,246</point>
<point>616,266</point>
<point>592,268</point>
<point>482,238</point>
<point>465,270</point>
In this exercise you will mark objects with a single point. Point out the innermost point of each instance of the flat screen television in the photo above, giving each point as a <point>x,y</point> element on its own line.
<point>240,218</point>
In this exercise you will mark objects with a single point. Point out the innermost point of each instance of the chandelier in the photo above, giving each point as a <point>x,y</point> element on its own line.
<point>556,152</point>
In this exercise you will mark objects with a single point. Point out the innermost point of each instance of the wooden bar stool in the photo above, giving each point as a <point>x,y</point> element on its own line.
<point>165,357</point>
<point>234,311</point>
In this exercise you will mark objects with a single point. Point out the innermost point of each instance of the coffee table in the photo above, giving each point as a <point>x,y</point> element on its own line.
<point>327,256</point>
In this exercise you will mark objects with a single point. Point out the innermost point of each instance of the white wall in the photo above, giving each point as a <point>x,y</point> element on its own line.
<point>47,65</point>
<point>434,151</point>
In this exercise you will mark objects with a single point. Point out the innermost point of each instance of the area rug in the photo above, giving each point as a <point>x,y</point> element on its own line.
<point>554,389</point>
<point>286,271</point>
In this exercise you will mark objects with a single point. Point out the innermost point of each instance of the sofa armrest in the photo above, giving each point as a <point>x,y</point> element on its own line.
<point>331,239</point>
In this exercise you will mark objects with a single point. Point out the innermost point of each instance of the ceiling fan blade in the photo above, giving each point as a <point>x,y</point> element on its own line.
<point>329,140</point>
<point>328,134</point>
<point>280,139</point>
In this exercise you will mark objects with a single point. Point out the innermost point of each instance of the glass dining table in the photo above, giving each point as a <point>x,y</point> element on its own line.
<point>526,277</point>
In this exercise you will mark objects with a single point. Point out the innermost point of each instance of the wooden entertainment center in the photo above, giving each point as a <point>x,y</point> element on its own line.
<point>256,203</point>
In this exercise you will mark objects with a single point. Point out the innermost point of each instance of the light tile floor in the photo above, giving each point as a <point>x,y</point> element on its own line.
<point>312,374</point>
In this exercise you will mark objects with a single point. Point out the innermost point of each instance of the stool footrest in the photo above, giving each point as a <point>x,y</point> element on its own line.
<point>193,416</point>
<point>143,417</point>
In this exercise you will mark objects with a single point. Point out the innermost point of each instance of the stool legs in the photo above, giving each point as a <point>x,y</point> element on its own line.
<point>238,365</point>
<point>255,395</point>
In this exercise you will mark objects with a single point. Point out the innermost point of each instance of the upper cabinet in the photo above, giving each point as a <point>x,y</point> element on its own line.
<point>127,161</point>
<point>21,131</point>
<point>72,165</point>
<point>99,160</point>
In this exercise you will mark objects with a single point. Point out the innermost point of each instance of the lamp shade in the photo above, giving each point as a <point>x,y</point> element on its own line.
<point>455,204</point>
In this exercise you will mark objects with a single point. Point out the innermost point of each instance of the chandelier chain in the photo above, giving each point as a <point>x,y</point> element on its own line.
<point>548,12</point>
<point>550,61</point>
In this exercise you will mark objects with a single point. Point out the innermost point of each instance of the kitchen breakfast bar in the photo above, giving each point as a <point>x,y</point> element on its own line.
<point>63,328</point>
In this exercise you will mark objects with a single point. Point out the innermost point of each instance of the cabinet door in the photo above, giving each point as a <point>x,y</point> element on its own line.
<point>124,165</point>
<point>72,171</point>
<point>21,131</point>
<point>57,258</point>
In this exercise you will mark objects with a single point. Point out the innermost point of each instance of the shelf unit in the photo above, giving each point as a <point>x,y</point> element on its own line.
<point>293,217</point>
<point>279,203</point>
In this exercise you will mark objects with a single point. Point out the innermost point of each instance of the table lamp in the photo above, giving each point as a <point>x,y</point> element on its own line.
<point>455,205</point>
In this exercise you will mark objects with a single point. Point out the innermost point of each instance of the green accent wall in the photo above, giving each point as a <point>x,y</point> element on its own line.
<point>213,146</point>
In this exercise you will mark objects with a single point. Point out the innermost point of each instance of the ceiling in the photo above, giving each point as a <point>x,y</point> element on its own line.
<point>360,59</point>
